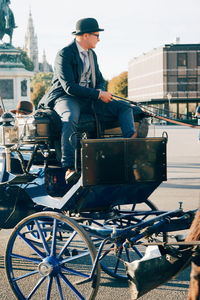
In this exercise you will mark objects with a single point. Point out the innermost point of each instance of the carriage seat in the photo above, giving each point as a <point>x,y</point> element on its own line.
<point>45,126</point>
<point>88,123</point>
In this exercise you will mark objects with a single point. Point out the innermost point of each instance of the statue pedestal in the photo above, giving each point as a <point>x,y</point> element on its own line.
<point>14,78</point>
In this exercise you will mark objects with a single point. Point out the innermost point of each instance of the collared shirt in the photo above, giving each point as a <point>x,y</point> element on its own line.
<point>85,79</point>
<point>80,50</point>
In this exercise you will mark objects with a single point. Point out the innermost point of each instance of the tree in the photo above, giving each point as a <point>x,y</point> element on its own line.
<point>40,83</point>
<point>26,60</point>
<point>119,85</point>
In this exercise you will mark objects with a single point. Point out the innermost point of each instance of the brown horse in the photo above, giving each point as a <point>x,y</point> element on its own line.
<point>194,235</point>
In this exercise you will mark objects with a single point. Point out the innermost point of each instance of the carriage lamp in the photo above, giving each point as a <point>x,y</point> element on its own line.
<point>9,131</point>
<point>27,128</point>
<point>31,128</point>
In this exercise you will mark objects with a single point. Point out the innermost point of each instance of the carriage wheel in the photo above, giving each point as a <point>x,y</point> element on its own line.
<point>56,269</point>
<point>114,253</point>
<point>34,234</point>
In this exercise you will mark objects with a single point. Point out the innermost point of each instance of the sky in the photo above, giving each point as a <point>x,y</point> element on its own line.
<point>132,27</point>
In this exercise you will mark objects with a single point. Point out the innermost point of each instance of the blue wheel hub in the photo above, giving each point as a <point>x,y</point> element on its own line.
<point>49,266</point>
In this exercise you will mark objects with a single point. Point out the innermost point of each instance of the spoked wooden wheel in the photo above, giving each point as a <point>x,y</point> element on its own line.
<point>56,269</point>
<point>34,235</point>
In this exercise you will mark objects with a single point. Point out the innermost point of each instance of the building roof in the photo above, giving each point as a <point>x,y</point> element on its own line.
<point>179,47</point>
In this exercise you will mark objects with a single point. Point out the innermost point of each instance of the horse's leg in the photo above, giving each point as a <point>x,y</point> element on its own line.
<point>194,232</point>
<point>11,34</point>
<point>194,235</point>
<point>194,288</point>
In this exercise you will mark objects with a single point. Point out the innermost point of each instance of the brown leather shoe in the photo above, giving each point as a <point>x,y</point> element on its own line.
<point>69,173</point>
<point>134,135</point>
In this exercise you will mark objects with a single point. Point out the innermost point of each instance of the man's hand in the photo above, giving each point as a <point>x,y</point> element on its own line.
<point>105,96</point>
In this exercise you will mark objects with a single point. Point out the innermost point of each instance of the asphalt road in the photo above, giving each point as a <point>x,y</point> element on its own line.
<point>183,185</point>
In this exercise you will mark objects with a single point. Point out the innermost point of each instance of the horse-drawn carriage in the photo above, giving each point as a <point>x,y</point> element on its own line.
<point>64,233</point>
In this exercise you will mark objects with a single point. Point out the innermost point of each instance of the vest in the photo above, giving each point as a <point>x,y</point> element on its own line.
<point>85,79</point>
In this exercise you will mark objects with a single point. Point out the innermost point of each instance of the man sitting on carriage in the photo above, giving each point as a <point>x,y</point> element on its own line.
<point>78,87</point>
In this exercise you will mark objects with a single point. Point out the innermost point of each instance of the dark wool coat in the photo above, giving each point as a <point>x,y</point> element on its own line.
<point>67,73</point>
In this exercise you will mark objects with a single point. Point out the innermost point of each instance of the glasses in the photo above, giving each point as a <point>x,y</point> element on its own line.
<point>95,34</point>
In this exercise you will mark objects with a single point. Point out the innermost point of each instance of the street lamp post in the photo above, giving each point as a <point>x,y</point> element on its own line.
<point>169,97</point>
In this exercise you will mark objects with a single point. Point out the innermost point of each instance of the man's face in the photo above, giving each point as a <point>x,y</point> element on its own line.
<point>91,39</point>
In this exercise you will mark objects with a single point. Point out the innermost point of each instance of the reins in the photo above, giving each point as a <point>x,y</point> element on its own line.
<point>154,115</point>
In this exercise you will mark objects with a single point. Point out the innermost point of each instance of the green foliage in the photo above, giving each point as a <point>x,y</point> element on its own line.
<point>119,85</point>
<point>26,60</point>
<point>40,83</point>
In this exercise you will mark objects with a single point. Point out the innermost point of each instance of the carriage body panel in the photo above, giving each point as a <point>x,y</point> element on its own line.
<point>123,161</point>
<point>114,172</point>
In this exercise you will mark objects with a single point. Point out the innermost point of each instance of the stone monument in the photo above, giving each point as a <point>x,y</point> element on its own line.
<point>14,78</point>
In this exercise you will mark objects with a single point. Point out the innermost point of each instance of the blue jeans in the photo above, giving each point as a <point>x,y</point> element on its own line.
<point>69,110</point>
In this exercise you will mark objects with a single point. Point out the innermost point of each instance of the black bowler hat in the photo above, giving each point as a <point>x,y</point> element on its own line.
<point>86,25</point>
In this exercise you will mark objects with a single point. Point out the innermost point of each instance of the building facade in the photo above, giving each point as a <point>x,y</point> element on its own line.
<point>31,48</point>
<point>168,77</point>
<point>14,78</point>
<point>44,66</point>
<point>31,44</point>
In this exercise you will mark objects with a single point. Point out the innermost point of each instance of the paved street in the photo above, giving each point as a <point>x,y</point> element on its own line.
<point>183,185</point>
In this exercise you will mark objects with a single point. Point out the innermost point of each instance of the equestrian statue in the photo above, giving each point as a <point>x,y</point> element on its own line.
<point>7,20</point>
